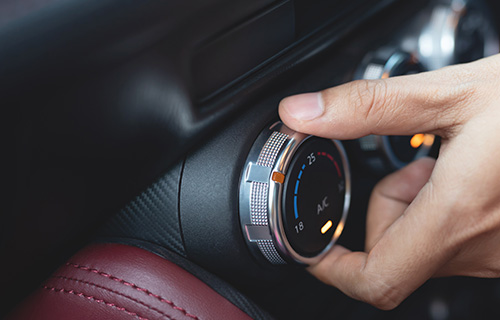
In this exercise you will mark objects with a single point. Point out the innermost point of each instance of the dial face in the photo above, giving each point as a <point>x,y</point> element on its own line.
<point>313,198</point>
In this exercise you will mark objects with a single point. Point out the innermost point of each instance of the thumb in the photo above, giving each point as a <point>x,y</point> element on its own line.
<point>427,102</point>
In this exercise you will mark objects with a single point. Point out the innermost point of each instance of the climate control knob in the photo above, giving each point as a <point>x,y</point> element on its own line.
<point>294,196</point>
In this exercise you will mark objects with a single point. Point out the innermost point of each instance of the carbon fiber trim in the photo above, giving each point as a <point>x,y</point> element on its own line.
<point>153,215</point>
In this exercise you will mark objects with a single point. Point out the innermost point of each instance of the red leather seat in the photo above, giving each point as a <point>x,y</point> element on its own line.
<point>115,281</point>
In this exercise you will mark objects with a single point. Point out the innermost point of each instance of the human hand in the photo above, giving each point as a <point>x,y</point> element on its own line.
<point>428,219</point>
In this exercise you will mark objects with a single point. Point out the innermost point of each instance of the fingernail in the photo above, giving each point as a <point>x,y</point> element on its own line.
<point>307,106</point>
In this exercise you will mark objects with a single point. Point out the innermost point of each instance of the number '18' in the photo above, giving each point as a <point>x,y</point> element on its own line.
<point>299,227</point>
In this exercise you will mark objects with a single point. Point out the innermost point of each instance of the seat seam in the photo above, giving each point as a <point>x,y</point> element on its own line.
<point>132,285</point>
<point>92,298</point>
<point>115,292</point>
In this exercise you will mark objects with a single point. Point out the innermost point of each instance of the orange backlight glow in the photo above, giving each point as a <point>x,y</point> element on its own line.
<point>417,140</point>
<point>429,140</point>
<point>327,226</point>
<point>420,138</point>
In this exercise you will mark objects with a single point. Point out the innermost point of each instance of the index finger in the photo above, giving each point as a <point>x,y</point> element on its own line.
<point>435,102</point>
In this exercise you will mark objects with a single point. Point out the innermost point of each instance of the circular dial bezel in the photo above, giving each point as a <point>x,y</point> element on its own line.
<point>275,211</point>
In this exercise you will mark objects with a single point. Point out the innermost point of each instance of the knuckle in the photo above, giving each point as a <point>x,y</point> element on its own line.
<point>369,98</point>
<point>385,188</point>
<point>457,93</point>
<point>380,186</point>
<point>382,302</point>
<point>461,98</point>
<point>380,294</point>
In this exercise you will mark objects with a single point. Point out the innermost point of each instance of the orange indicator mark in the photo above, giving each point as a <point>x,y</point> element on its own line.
<point>327,226</point>
<point>278,177</point>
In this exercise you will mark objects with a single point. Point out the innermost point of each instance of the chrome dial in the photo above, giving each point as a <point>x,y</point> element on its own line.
<point>294,196</point>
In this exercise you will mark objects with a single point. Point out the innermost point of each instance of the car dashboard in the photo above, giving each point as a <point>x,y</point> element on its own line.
<point>155,124</point>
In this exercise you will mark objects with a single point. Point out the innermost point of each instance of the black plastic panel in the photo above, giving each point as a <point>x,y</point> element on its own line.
<point>312,14</point>
<point>237,52</point>
<point>209,207</point>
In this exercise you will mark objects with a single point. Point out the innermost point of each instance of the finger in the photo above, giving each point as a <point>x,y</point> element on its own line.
<point>436,102</point>
<point>410,251</point>
<point>392,196</point>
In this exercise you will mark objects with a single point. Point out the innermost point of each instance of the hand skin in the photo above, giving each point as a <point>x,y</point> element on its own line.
<point>432,218</point>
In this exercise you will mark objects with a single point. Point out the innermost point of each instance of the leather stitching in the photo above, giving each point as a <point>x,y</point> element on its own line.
<point>129,284</point>
<point>92,298</point>
<point>115,292</point>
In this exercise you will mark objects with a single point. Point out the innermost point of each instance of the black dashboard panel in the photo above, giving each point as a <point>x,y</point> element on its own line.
<point>235,53</point>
